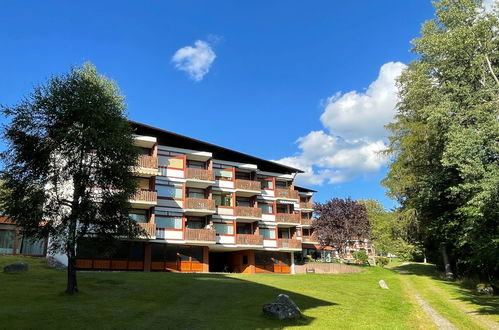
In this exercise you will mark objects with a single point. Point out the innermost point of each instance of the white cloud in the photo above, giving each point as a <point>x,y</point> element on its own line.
<point>355,133</point>
<point>487,4</point>
<point>196,61</point>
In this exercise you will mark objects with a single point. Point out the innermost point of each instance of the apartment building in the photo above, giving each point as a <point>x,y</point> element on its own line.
<point>209,209</point>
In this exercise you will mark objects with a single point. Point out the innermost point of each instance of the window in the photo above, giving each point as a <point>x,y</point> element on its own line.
<point>195,223</point>
<point>245,260</point>
<point>224,228</point>
<point>243,201</point>
<point>284,233</point>
<point>7,241</point>
<point>243,175</point>
<point>169,191</point>
<point>283,208</point>
<point>306,231</point>
<point>168,222</point>
<point>306,215</point>
<point>222,199</point>
<point>196,164</point>
<point>171,161</point>
<point>143,183</point>
<point>195,193</point>
<point>304,199</point>
<point>244,228</point>
<point>267,233</point>
<point>139,216</point>
<point>223,172</point>
<point>32,246</point>
<point>266,182</point>
<point>266,208</point>
<point>282,184</point>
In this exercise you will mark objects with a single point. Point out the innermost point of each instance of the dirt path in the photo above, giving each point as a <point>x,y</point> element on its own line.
<point>439,321</point>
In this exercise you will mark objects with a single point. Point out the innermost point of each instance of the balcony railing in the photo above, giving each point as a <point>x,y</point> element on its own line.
<point>248,185</point>
<point>248,239</point>
<point>309,239</point>
<point>144,195</point>
<point>148,161</point>
<point>306,222</point>
<point>307,205</point>
<point>199,204</point>
<point>251,212</point>
<point>199,174</point>
<point>149,228</point>
<point>288,243</point>
<point>287,218</point>
<point>205,235</point>
<point>286,193</point>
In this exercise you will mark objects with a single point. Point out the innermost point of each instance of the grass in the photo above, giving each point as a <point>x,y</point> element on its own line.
<point>460,305</point>
<point>127,300</point>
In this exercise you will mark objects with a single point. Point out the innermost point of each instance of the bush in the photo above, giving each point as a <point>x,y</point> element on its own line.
<point>382,261</point>
<point>361,256</point>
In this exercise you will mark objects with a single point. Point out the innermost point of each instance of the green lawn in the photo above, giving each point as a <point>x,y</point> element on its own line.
<point>128,300</point>
<point>114,300</point>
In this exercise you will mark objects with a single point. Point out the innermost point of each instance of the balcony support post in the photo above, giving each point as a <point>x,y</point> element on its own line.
<point>147,257</point>
<point>293,263</point>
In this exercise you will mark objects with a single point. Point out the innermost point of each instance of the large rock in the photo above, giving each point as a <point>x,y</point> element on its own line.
<point>16,267</point>
<point>483,288</point>
<point>282,308</point>
<point>383,285</point>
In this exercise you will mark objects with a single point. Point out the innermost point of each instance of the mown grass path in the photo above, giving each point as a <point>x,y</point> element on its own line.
<point>448,304</point>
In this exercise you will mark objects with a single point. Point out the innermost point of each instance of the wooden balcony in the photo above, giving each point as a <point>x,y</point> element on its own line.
<point>306,222</point>
<point>248,212</point>
<point>290,218</point>
<point>248,239</point>
<point>310,239</point>
<point>286,194</point>
<point>248,185</point>
<point>307,205</point>
<point>199,235</point>
<point>199,174</point>
<point>287,243</point>
<point>199,206</point>
<point>144,199</point>
<point>148,161</point>
<point>149,228</point>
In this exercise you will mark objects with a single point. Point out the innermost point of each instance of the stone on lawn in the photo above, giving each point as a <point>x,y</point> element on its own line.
<point>483,288</point>
<point>16,267</point>
<point>282,308</point>
<point>383,285</point>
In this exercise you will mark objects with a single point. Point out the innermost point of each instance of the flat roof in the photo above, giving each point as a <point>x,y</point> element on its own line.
<point>303,189</point>
<point>172,139</point>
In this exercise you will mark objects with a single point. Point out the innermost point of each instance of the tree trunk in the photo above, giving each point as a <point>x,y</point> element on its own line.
<point>448,270</point>
<point>72,285</point>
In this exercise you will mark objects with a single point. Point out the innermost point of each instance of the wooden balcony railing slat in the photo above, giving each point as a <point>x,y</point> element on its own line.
<point>149,228</point>
<point>199,204</point>
<point>146,195</point>
<point>248,185</point>
<point>207,235</point>
<point>307,205</point>
<point>286,193</point>
<point>288,218</point>
<point>199,174</point>
<point>249,239</point>
<point>288,243</point>
<point>245,211</point>
<point>148,161</point>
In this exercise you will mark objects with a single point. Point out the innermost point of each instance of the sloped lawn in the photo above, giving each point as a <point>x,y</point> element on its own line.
<point>128,300</point>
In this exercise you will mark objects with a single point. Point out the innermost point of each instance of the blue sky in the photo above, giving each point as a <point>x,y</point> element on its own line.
<point>282,80</point>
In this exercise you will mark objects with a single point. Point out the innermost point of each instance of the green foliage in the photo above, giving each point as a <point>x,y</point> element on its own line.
<point>392,232</point>
<point>63,140</point>
<point>361,256</point>
<point>382,261</point>
<point>444,142</point>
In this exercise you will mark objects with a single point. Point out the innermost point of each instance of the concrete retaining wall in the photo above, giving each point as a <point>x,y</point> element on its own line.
<point>327,268</point>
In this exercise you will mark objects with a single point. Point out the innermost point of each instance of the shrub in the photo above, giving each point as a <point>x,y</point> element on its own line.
<point>361,256</point>
<point>382,261</point>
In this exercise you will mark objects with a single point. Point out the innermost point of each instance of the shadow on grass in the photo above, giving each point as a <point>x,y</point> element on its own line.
<point>488,304</point>
<point>137,300</point>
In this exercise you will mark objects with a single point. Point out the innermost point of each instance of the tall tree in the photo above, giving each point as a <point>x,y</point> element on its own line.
<point>68,163</point>
<point>445,140</point>
<point>339,221</point>
<point>393,232</point>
